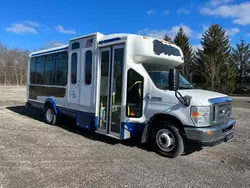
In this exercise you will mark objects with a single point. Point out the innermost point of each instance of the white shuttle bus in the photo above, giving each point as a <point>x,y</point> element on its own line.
<point>126,85</point>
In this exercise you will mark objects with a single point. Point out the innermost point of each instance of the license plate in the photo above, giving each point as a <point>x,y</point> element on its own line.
<point>229,137</point>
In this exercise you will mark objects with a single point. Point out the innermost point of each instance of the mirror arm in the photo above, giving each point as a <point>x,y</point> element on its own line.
<point>184,100</point>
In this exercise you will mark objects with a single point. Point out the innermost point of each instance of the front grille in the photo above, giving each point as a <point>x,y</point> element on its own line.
<point>222,113</point>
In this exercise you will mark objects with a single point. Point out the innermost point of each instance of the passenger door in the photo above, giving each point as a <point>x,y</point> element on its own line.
<point>111,89</point>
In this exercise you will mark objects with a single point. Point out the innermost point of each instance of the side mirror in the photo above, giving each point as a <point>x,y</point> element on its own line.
<point>173,80</point>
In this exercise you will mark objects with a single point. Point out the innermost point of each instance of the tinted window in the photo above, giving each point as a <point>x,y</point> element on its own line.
<point>33,70</point>
<point>49,69</point>
<point>39,70</point>
<point>105,63</point>
<point>75,45</point>
<point>73,68</point>
<point>61,68</point>
<point>134,94</point>
<point>88,67</point>
<point>160,79</point>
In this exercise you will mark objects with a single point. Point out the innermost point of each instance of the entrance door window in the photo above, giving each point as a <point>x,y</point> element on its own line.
<point>116,97</point>
<point>105,61</point>
<point>134,94</point>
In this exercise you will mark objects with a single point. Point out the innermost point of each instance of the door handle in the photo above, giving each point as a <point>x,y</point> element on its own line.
<point>148,96</point>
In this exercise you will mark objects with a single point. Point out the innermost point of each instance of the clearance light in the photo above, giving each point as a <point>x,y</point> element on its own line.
<point>145,37</point>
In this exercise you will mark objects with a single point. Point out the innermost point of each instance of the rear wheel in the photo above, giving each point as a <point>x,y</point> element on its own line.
<point>167,140</point>
<point>49,115</point>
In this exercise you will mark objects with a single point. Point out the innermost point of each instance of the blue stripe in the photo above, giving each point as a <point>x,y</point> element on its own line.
<point>91,120</point>
<point>220,100</point>
<point>49,51</point>
<point>109,40</point>
<point>96,122</point>
<point>135,129</point>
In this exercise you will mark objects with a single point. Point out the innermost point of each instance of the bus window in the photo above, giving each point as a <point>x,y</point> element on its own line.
<point>88,67</point>
<point>61,68</point>
<point>74,68</point>
<point>33,71</point>
<point>49,69</point>
<point>75,45</point>
<point>39,70</point>
<point>134,94</point>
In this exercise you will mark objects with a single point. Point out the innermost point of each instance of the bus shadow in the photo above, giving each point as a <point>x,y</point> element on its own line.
<point>69,124</point>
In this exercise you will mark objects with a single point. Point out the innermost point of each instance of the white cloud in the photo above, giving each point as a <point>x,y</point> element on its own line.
<point>156,33</point>
<point>60,29</point>
<point>196,47</point>
<point>183,11</point>
<point>166,12</point>
<point>151,12</point>
<point>19,28</point>
<point>215,3</point>
<point>239,12</point>
<point>232,31</point>
<point>30,23</point>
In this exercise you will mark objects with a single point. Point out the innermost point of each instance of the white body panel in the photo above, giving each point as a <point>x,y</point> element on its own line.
<point>138,50</point>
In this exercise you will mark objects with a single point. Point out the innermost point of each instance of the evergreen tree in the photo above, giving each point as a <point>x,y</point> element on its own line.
<point>167,38</point>
<point>182,40</point>
<point>241,59</point>
<point>213,60</point>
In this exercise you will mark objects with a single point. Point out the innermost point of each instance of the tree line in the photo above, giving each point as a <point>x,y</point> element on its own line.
<point>216,65</point>
<point>13,66</point>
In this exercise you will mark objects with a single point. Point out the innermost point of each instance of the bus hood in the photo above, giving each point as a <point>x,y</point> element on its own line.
<point>201,96</point>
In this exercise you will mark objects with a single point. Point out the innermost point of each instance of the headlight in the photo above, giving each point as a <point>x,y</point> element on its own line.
<point>201,115</point>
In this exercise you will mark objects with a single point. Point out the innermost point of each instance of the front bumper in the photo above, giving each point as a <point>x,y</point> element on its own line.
<point>210,136</point>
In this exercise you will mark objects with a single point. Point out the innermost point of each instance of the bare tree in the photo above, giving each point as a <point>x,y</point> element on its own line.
<point>13,66</point>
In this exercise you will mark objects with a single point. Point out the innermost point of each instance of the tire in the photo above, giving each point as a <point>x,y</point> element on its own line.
<point>49,115</point>
<point>167,140</point>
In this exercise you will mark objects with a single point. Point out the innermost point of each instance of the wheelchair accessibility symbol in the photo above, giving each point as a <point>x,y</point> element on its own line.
<point>73,95</point>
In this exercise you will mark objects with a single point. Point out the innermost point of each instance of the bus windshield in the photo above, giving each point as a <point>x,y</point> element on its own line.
<point>160,79</point>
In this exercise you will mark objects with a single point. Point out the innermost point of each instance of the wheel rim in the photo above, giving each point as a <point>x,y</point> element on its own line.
<point>165,140</point>
<point>49,115</point>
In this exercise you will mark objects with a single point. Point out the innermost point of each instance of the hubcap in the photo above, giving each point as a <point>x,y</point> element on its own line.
<point>165,140</point>
<point>49,115</point>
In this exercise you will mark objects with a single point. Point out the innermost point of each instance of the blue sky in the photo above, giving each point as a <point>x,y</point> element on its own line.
<point>30,24</point>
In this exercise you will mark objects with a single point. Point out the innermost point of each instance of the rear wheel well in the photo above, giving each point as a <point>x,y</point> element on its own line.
<point>46,104</point>
<point>49,103</point>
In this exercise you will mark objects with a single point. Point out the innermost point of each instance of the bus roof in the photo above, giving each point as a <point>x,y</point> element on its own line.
<point>49,50</point>
<point>141,49</point>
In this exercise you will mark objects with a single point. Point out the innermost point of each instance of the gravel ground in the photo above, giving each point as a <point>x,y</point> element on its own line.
<point>34,154</point>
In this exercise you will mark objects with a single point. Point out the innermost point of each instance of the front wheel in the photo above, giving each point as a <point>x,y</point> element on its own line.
<point>168,141</point>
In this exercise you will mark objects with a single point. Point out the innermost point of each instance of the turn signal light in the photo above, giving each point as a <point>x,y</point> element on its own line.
<point>195,114</point>
<point>209,132</point>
